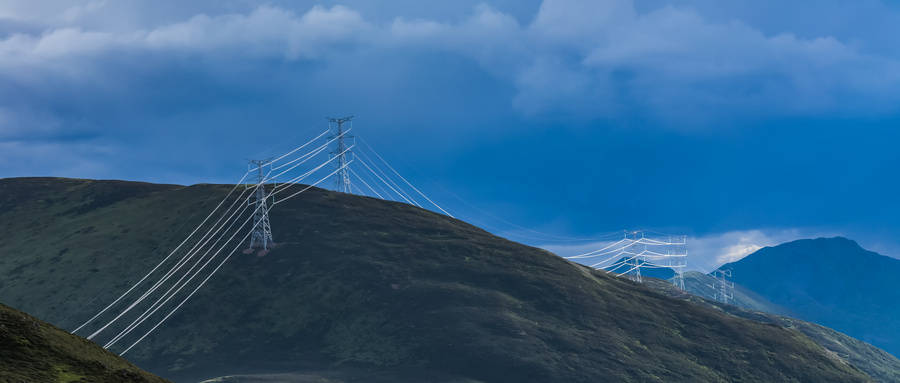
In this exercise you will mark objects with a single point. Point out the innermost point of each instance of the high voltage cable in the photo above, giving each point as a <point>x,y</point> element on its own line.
<point>403,197</point>
<point>548,237</point>
<point>365,183</point>
<point>318,150</point>
<point>404,179</point>
<point>164,259</point>
<point>195,249</point>
<point>217,232</point>
<point>373,182</point>
<point>301,146</point>
<point>281,187</point>
<point>155,306</point>
<point>386,180</point>
<point>224,260</point>
<point>171,270</point>
<point>117,300</point>
<point>310,186</point>
<point>600,252</point>
<point>184,259</point>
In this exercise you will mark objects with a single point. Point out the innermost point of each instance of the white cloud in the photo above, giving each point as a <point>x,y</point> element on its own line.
<point>583,57</point>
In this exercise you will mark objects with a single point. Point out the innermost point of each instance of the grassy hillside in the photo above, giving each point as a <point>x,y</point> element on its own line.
<point>875,362</point>
<point>830,281</point>
<point>705,286</point>
<point>374,291</point>
<point>34,351</point>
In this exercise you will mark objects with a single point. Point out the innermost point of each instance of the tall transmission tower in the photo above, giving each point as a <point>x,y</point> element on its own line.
<point>261,238</point>
<point>638,260</point>
<point>646,252</point>
<point>725,287</point>
<point>344,156</point>
<point>677,259</point>
<point>678,279</point>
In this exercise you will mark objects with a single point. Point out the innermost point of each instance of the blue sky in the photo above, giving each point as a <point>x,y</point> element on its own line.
<point>741,123</point>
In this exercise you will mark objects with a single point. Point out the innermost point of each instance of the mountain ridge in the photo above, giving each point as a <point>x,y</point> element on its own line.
<point>381,288</point>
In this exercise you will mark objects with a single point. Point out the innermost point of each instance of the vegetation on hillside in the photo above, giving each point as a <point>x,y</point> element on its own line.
<point>34,351</point>
<point>381,288</point>
<point>880,365</point>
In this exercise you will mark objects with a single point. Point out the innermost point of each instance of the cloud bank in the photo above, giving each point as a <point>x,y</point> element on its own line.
<point>580,58</point>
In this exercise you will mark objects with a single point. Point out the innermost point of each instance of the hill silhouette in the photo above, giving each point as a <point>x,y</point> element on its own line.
<point>370,290</point>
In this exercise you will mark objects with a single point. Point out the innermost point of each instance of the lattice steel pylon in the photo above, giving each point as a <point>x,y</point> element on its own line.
<point>724,288</point>
<point>655,252</point>
<point>678,279</point>
<point>344,156</point>
<point>261,238</point>
<point>677,259</point>
<point>637,261</point>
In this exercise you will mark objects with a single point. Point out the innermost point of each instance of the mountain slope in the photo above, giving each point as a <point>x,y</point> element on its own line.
<point>830,281</point>
<point>877,363</point>
<point>705,286</point>
<point>374,291</point>
<point>34,351</point>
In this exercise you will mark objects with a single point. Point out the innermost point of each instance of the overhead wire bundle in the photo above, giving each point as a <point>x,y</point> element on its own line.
<point>162,291</point>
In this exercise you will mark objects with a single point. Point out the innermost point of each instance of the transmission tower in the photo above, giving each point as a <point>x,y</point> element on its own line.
<point>653,252</point>
<point>677,259</point>
<point>725,287</point>
<point>262,231</point>
<point>637,261</point>
<point>678,279</point>
<point>344,156</point>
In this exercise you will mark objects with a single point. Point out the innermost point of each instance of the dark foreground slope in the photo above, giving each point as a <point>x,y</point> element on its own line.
<point>830,281</point>
<point>369,290</point>
<point>34,351</point>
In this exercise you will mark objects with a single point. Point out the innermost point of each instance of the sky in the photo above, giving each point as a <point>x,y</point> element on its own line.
<point>740,124</point>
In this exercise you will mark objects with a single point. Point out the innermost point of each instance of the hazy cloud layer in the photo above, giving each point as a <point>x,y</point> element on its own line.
<point>589,59</point>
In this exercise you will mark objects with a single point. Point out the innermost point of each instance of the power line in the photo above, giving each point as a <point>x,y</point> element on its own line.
<point>404,179</point>
<point>637,251</point>
<point>213,231</point>
<point>135,285</point>
<point>384,178</point>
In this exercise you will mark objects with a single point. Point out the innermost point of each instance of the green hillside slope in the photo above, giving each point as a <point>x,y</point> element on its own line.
<point>705,286</point>
<point>32,351</point>
<point>875,362</point>
<point>378,291</point>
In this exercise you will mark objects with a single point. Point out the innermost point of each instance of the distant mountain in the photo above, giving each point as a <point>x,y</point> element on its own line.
<point>830,281</point>
<point>364,290</point>
<point>34,351</point>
